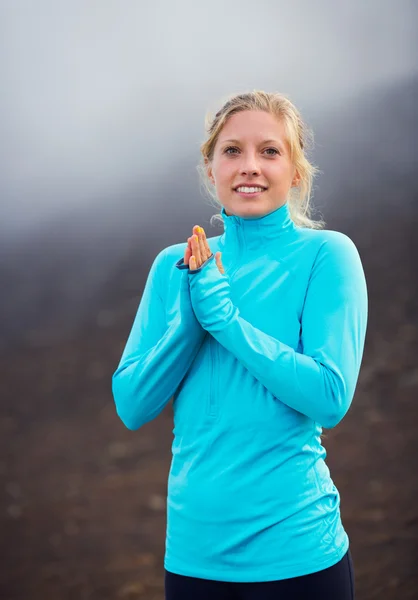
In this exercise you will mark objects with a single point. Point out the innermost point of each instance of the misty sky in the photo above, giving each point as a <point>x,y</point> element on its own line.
<point>101,96</point>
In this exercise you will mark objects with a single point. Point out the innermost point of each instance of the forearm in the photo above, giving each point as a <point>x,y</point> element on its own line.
<point>297,380</point>
<point>150,372</point>
<point>144,383</point>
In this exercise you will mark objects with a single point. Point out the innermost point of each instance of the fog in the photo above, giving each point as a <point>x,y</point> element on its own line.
<point>102,101</point>
<point>102,113</point>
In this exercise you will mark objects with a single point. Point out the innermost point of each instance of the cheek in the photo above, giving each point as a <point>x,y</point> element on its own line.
<point>280,175</point>
<point>224,173</point>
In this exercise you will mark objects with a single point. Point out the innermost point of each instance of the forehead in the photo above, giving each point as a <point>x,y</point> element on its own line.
<point>253,125</point>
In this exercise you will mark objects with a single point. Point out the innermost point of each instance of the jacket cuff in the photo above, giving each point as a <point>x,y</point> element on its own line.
<point>180,264</point>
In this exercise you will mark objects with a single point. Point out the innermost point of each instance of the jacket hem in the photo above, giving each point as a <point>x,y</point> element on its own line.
<point>246,576</point>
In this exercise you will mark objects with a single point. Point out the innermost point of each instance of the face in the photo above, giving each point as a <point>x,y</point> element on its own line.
<point>252,151</point>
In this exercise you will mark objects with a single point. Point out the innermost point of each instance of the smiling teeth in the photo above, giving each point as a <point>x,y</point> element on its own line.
<point>250,190</point>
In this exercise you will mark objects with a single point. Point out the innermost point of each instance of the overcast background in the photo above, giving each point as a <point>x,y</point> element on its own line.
<point>102,111</point>
<point>102,108</point>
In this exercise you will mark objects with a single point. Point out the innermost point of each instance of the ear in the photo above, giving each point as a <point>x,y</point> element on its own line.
<point>209,171</point>
<point>296,179</point>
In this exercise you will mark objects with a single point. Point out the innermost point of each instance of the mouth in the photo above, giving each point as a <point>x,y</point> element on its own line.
<point>250,192</point>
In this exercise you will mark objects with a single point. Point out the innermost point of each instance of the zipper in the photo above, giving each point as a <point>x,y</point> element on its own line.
<point>241,248</point>
<point>213,345</point>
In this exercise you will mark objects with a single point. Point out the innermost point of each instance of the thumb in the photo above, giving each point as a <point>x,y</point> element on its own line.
<point>219,262</point>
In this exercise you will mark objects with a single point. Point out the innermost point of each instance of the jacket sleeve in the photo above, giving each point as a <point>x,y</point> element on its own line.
<point>160,349</point>
<point>319,381</point>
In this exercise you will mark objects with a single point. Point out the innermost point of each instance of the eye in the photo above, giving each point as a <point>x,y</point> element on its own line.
<point>270,151</point>
<point>230,148</point>
<point>274,150</point>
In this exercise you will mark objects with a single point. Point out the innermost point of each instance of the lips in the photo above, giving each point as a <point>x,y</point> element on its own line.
<point>250,194</point>
<point>248,185</point>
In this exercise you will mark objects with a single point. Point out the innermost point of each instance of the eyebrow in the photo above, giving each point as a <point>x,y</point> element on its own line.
<point>263,142</point>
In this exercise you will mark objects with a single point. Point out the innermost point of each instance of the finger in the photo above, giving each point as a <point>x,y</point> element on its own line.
<point>192,263</point>
<point>202,247</point>
<point>198,253</point>
<point>219,263</point>
<point>196,250</point>
<point>205,249</point>
<point>187,252</point>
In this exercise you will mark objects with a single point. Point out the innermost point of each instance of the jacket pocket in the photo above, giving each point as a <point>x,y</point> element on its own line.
<point>213,398</point>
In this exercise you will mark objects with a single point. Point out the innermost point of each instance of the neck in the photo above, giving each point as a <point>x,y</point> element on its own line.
<point>254,232</point>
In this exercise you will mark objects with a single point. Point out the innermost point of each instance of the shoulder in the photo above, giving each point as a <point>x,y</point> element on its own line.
<point>333,255</point>
<point>328,241</point>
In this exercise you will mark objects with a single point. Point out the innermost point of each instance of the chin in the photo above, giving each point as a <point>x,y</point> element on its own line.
<point>248,208</point>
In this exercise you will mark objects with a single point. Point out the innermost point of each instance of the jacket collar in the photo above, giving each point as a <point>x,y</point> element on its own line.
<point>253,232</point>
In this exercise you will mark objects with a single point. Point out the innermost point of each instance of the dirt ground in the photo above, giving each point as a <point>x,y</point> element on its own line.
<point>83,498</point>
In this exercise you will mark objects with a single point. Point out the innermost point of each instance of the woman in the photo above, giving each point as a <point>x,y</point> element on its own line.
<point>258,336</point>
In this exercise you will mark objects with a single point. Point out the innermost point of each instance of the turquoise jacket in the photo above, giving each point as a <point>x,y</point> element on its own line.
<point>257,361</point>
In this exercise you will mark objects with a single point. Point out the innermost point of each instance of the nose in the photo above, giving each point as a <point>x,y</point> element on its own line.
<point>249,165</point>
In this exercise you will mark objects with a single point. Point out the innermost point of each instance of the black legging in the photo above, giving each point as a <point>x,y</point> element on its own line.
<point>334,583</point>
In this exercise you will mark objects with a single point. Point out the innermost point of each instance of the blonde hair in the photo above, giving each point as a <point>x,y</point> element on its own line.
<point>300,139</point>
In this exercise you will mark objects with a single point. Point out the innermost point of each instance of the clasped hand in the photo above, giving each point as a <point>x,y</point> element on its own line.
<point>198,251</point>
<point>210,292</point>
